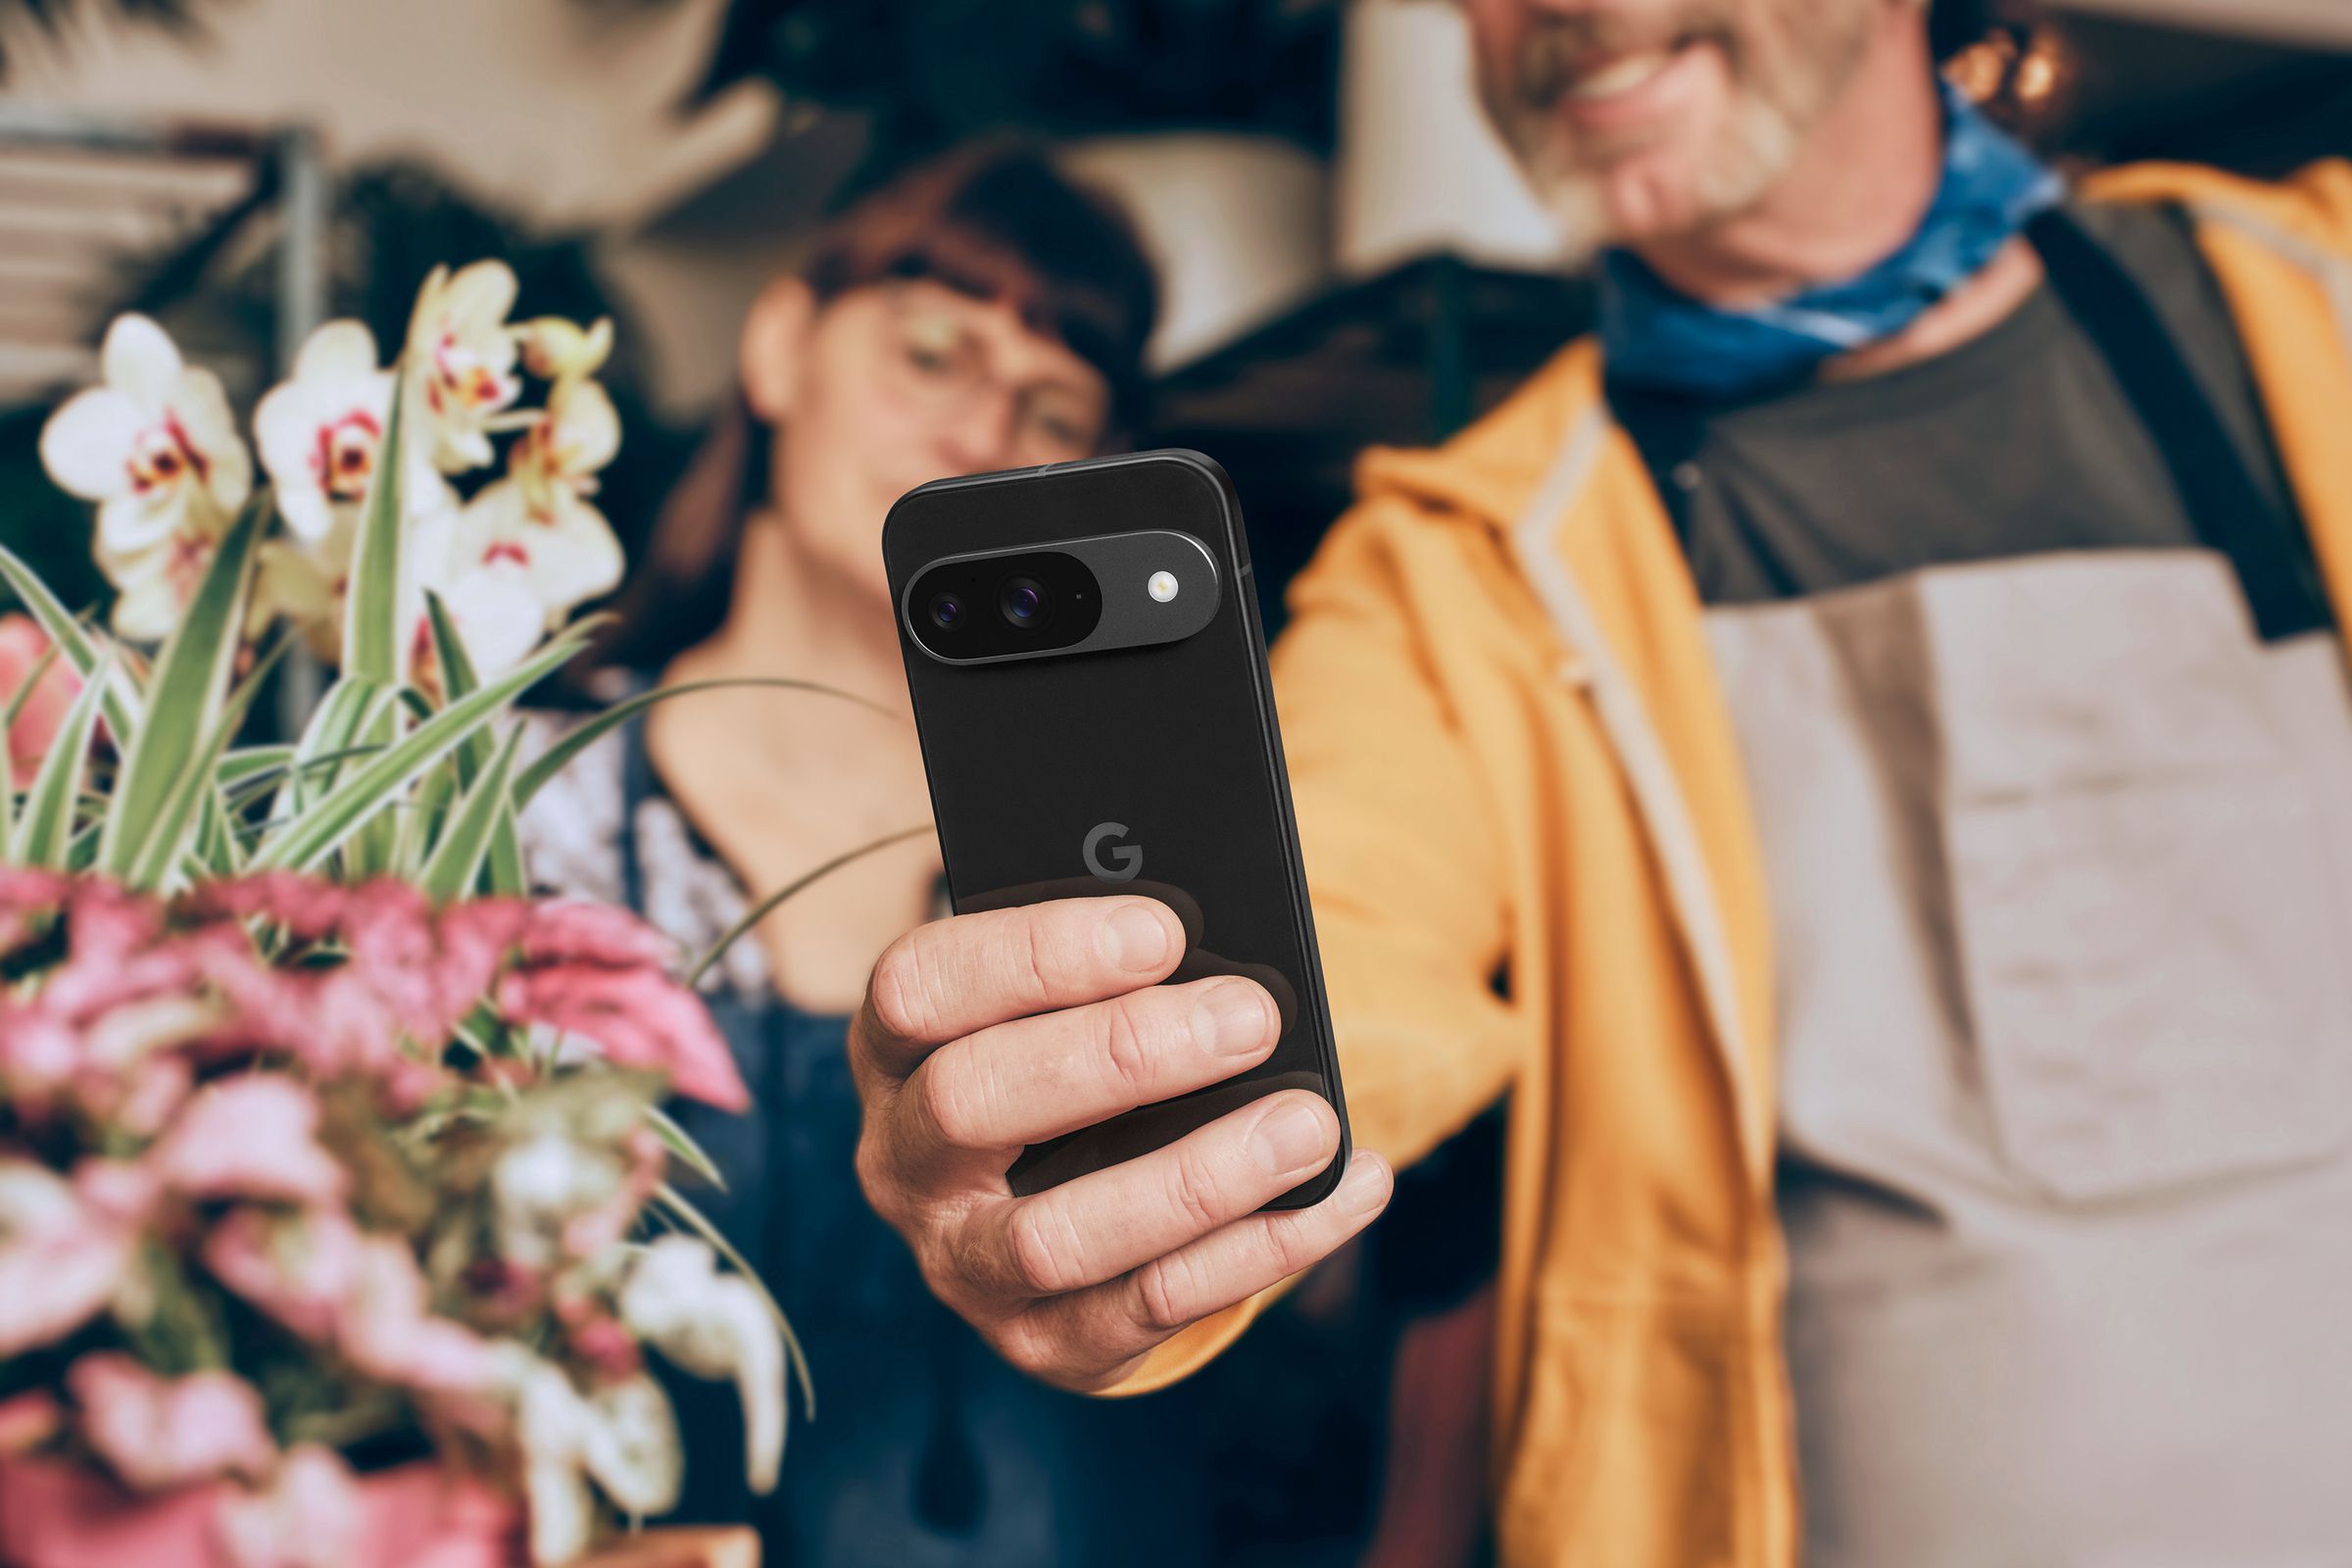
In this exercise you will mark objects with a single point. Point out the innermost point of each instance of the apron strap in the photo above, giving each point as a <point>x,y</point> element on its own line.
<point>2229,510</point>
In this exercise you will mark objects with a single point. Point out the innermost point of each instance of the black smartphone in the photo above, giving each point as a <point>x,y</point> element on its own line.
<point>1089,675</point>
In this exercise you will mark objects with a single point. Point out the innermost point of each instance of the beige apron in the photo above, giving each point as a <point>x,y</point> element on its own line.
<point>2059,855</point>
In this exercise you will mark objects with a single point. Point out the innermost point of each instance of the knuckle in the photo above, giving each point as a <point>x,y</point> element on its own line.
<point>1164,1289</point>
<point>899,993</point>
<point>878,1177</point>
<point>1126,1042</point>
<point>1041,1250</point>
<point>943,1098</point>
<point>1193,1188</point>
<point>1032,958</point>
<point>1289,1243</point>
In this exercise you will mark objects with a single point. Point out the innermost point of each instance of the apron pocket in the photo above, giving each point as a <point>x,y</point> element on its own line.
<point>2141,890</point>
<point>2149,969</point>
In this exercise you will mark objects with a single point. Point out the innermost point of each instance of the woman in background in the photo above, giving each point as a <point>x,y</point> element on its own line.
<point>979,313</point>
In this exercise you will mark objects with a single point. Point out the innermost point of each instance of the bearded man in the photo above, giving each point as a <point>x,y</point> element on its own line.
<point>1860,750</point>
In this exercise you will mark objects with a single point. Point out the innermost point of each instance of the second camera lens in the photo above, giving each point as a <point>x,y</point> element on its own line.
<point>1023,601</point>
<point>947,612</point>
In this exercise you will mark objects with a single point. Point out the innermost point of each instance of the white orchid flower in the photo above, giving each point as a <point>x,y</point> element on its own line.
<point>462,355</point>
<point>155,448</point>
<point>624,1436</point>
<point>555,349</point>
<point>540,1182</point>
<point>538,518</point>
<point>713,1325</point>
<point>151,445</point>
<point>321,433</point>
<point>155,584</point>
<point>490,597</point>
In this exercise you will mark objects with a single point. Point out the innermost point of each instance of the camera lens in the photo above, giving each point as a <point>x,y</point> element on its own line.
<point>947,612</point>
<point>1023,602</point>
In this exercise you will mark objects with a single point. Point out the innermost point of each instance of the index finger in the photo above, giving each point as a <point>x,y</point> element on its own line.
<point>941,981</point>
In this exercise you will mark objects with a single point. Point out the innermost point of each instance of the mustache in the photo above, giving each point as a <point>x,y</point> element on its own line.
<point>1558,50</point>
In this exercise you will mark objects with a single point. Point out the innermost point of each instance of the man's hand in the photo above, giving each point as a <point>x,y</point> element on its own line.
<point>988,1032</point>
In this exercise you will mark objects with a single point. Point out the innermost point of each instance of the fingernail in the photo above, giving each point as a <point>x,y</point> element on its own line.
<point>1365,1186</point>
<point>1231,1019</point>
<point>1134,937</point>
<point>1289,1138</point>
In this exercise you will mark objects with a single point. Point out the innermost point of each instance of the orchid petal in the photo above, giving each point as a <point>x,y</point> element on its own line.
<point>587,428</point>
<point>339,351</point>
<point>202,409</point>
<point>140,360</point>
<point>130,525</point>
<point>481,294</point>
<point>86,444</point>
<point>498,618</point>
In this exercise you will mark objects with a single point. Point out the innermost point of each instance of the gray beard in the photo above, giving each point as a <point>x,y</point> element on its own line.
<point>1756,150</point>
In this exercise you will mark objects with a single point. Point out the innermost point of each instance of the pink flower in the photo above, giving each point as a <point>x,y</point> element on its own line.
<point>158,1433</point>
<point>596,971</point>
<point>66,1249</point>
<point>641,1018</point>
<point>30,1419</point>
<point>334,1284</point>
<point>308,1516</point>
<point>307,908</point>
<point>251,1136</point>
<point>575,931</point>
<point>407,970</point>
<point>502,1292</point>
<point>27,900</point>
<point>387,1332</point>
<point>22,645</point>
<point>296,1268</point>
<point>609,1351</point>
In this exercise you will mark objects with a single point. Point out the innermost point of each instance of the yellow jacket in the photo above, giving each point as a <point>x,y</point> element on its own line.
<point>1532,867</point>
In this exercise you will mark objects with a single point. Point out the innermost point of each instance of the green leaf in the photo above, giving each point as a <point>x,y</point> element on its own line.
<point>675,1203</point>
<point>362,797</point>
<point>682,1144</point>
<point>216,853</point>
<point>759,912</point>
<point>251,787</point>
<point>44,833</point>
<point>458,858</point>
<point>370,630</point>
<point>124,704</point>
<point>184,698</point>
<point>374,845</point>
<point>556,757</point>
<point>251,761</point>
<point>331,735</point>
<point>457,681</point>
<point>504,876</point>
<point>182,811</point>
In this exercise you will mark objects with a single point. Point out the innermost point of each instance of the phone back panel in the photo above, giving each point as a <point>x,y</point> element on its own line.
<point>1169,751</point>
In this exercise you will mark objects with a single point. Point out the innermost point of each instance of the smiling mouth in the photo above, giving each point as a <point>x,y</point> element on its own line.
<point>1619,74</point>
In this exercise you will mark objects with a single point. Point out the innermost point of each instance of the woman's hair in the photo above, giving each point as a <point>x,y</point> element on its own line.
<point>995,221</point>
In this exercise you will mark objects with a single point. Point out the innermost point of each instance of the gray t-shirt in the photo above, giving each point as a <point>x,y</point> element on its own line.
<point>2017,442</point>
<point>2057,846</point>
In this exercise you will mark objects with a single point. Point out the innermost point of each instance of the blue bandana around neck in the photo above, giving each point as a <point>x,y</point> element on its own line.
<point>1654,338</point>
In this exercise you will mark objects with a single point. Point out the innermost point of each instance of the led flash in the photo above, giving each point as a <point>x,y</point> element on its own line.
<point>1162,586</point>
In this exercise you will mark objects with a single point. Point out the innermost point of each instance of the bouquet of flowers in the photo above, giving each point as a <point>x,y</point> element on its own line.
<point>335,1207</point>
